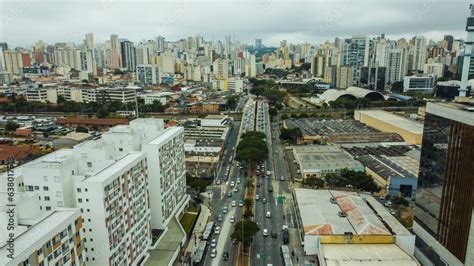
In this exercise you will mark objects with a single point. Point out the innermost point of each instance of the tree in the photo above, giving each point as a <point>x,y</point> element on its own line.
<point>232,101</point>
<point>257,90</point>
<point>248,203</point>
<point>252,148</point>
<point>11,126</point>
<point>249,183</point>
<point>82,129</point>
<point>273,111</point>
<point>291,134</point>
<point>314,182</point>
<point>397,86</point>
<point>244,232</point>
<point>247,214</point>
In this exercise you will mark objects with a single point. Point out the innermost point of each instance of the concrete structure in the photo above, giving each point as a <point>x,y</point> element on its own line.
<point>420,83</point>
<point>215,121</point>
<point>411,131</point>
<point>148,75</point>
<point>39,237</point>
<point>445,195</point>
<point>318,160</point>
<point>70,140</point>
<point>351,221</point>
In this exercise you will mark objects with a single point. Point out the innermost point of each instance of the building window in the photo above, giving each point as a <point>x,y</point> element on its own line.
<point>48,208</point>
<point>87,200</point>
<point>59,194</point>
<point>45,188</point>
<point>46,198</point>
<point>56,179</point>
<point>45,178</point>
<point>37,187</point>
<point>89,164</point>
<point>60,204</point>
<point>79,200</point>
<point>29,188</point>
<point>78,190</point>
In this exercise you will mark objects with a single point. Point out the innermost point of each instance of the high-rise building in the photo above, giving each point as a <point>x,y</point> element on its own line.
<point>445,195</point>
<point>373,78</point>
<point>344,77</point>
<point>356,55</point>
<point>13,62</point>
<point>449,40</point>
<point>161,45</point>
<point>90,41</point>
<point>127,52</point>
<point>419,53</point>
<point>258,44</point>
<point>467,60</point>
<point>397,64</point>
<point>148,75</point>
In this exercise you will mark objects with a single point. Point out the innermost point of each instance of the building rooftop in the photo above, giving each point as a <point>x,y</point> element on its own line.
<point>18,152</point>
<point>461,112</point>
<point>25,241</point>
<point>365,254</point>
<point>395,120</point>
<point>320,216</point>
<point>318,158</point>
<point>112,169</point>
<point>384,167</point>
<point>165,134</point>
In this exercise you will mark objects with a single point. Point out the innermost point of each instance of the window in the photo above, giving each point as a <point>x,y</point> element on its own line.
<point>59,194</point>
<point>45,178</point>
<point>120,149</point>
<point>78,190</point>
<point>88,210</point>
<point>89,164</point>
<point>56,179</point>
<point>87,200</point>
<point>45,188</point>
<point>48,208</point>
<point>46,198</point>
<point>79,200</point>
<point>60,204</point>
<point>37,187</point>
<point>86,189</point>
<point>29,188</point>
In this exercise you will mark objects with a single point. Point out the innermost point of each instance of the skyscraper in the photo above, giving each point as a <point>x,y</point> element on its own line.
<point>258,44</point>
<point>356,55</point>
<point>445,195</point>
<point>127,51</point>
<point>419,53</point>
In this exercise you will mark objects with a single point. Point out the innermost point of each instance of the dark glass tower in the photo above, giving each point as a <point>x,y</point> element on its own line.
<point>445,194</point>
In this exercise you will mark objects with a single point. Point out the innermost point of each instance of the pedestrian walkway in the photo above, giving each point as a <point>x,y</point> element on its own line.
<point>199,228</point>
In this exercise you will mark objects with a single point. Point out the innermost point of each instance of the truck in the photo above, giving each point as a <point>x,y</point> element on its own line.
<point>285,234</point>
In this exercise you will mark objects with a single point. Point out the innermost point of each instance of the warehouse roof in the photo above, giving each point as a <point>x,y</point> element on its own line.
<point>395,120</point>
<point>323,158</point>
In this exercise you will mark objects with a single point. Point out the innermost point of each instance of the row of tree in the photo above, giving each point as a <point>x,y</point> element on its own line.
<point>356,180</point>
<point>252,148</point>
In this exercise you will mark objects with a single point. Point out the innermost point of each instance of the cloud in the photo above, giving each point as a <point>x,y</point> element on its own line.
<point>26,21</point>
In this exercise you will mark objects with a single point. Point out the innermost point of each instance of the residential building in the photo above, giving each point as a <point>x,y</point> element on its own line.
<point>373,78</point>
<point>445,195</point>
<point>356,55</point>
<point>397,64</point>
<point>127,51</point>
<point>148,75</point>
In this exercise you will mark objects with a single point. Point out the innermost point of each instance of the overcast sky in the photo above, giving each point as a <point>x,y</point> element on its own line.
<point>26,21</point>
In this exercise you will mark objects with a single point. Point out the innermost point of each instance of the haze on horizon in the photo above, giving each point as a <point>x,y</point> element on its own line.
<point>27,21</point>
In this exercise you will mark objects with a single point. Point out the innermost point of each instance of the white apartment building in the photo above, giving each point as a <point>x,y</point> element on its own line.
<point>150,98</point>
<point>40,237</point>
<point>148,75</point>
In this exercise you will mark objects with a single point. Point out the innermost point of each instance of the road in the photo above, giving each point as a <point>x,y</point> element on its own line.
<point>266,250</point>
<point>220,200</point>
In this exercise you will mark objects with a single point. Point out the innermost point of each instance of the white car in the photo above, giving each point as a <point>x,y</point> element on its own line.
<point>213,253</point>
<point>232,183</point>
<point>218,182</point>
<point>213,243</point>
<point>232,219</point>
<point>234,203</point>
<point>257,197</point>
<point>236,189</point>
<point>265,232</point>
<point>268,215</point>
<point>217,230</point>
<point>282,178</point>
<point>268,172</point>
<point>225,209</point>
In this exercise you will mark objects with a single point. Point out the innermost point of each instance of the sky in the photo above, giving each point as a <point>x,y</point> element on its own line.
<point>24,22</point>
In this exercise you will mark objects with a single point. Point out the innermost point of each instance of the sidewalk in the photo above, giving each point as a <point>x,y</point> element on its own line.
<point>199,228</point>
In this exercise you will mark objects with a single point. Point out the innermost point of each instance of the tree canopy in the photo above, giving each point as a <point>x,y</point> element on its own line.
<point>252,147</point>
<point>244,231</point>
<point>291,134</point>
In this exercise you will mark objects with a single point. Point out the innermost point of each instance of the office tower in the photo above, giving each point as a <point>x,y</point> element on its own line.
<point>26,59</point>
<point>258,44</point>
<point>419,53</point>
<point>160,41</point>
<point>68,57</point>
<point>148,75</point>
<point>467,65</point>
<point>356,55</point>
<point>127,52</point>
<point>87,61</point>
<point>397,64</point>
<point>90,41</point>
<point>449,40</point>
<point>228,45</point>
<point>373,78</point>
<point>445,195</point>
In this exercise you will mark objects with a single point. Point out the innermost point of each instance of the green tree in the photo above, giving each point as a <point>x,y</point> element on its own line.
<point>11,126</point>
<point>257,90</point>
<point>244,232</point>
<point>249,183</point>
<point>252,148</point>
<point>231,102</point>
<point>247,215</point>
<point>248,203</point>
<point>273,111</point>
<point>82,129</point>
<point>291,134</point>
<point>314,182</point>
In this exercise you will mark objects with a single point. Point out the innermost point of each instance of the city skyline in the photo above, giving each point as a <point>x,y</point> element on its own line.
<point>272,21</point>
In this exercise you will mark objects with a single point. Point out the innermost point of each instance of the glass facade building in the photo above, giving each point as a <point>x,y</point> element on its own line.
<point>445,195</point>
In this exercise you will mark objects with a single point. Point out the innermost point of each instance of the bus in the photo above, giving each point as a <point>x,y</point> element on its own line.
<point>199,257</point>
<point>285,255</point>
<point>208,231</point>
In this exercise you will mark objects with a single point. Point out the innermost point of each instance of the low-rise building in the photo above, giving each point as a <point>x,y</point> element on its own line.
<point>347,228</point>
<point>420,82</point>
<point>410,130</point>
<point>319,160</point>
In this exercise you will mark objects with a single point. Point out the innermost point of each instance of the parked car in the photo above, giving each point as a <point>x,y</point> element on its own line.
<point>217,230</point>
<point>213,243</point>
<point>213,253</point>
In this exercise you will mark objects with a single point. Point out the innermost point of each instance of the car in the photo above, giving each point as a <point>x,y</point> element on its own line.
<point>274,234</point>
<point>258,184</point>
<point>234,203</point>
<point>232,183</point>
<point>219,218</point>
<point>234,241</point>
<point>218,182</point>
<point>238,181</point>
<point>257,197</point>
<point>225,256</point>
<point>225,209</point>
<point>265,232</point>
<point>213,243</point>
<point>229,194</point>
<point>264,200</point>
<point>282,178</point>
<point>213,253</point>
<point>217,230</point>
<point>294,161</point>
<point>232,219</point>
<point>236,189</point>
<point>388,204</point>
<point>268,172</point>
<point>268,215</point>
<point>241,203</point>
<point>270,189</point>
